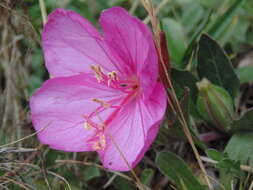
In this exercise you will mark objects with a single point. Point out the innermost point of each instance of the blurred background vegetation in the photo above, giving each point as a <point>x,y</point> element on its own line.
<point>29,165</point>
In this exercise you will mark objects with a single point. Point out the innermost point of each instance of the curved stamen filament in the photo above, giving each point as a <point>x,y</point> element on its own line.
<point>103,103</point>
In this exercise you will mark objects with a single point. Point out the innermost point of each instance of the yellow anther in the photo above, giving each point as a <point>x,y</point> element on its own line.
<point>102,140</point>
<point>100,143</point>
<point>96,146</point>
<point>87,126</point>
<point>98,72</point>
<point>104,104</point>
<point>112,75</point>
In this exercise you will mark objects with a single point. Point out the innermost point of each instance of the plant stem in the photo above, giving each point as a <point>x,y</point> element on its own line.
<point>43,11</point>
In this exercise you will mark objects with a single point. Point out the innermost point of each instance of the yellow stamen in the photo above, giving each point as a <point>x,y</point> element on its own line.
<point>102,140</point>
<point>112,76</point>
<point>96,146</point>
<point>98,72</point>
<point>100,143</point>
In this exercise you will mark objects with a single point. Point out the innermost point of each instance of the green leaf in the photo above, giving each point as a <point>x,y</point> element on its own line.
<point>175,126</point>
<point>245,74</point>
<point>192,14</point>
<point>147,176</point>
<point>184,84</point>
<point>221,23</point>
<point>195,36</point>
<point>175,41</point>
<point>244,123</point>
<point>214,154</point>
<point>175,168</point>
<point>91,172</point>
<point>240,147</point>
<point>182,79</point>
<point>122,184</point>
<point>214,65</point>
<point>239,150</point>
<point>223,162</point>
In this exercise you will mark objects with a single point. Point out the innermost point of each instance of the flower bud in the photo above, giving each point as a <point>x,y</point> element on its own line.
<point>215,105</point>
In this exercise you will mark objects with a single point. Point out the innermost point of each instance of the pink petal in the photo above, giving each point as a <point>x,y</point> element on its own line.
<point>133,130</point>
<point>59,106</point>
<point>133,42</point>
<point>71,44</point>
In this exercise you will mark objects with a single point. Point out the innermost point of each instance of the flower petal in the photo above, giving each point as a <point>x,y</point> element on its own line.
<point>71,44</point>
<point>59,107</point>
<point>131,133</point>
<point>134,44</point>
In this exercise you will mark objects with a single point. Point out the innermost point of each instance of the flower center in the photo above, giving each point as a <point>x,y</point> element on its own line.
<point>130,87</point>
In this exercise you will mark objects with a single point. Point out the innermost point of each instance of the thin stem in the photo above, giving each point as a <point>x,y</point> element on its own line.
<point>189,137</point>
<point>251,186</point>
<point>43,11</point>
<point>26,137</point>
<point>138,182</point>
<point>134,6</point>
<point>93,164</point>
<point>159,7</point>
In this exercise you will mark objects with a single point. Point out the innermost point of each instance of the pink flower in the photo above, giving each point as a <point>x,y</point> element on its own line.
<point>104,95</point>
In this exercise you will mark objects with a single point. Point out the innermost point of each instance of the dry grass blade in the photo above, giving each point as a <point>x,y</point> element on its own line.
<point>159,7</point>
<point>93,164</point>
<point>43,11</point>
<point>60,177</point>
<point>18,150</point>
<point>15,182</point>
<point>26,137</point>
<point>251,186</point>
<point>134,6</point>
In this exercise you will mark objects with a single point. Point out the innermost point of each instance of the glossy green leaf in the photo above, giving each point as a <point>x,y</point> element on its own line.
<point>175,168</point>
<point>214,64</point>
